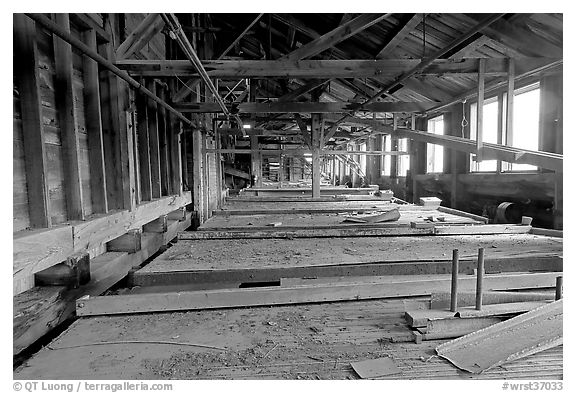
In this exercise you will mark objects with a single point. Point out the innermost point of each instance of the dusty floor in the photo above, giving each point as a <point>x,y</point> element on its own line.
<point>289,342</point>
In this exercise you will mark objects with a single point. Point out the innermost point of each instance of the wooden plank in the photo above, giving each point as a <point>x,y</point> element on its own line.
<point>37,250</point>
<point>129,242</point>
<point>421,318</point>
<point>236,172</point>
<point>197,300</point>
<point>513,339</point>
<point>153,141</point>
<point>384,197</point>
<point>547,232</point>
<point>333,37</point>
<point>88,23</point>
<point>164,145</point>
<point>325,69</point>
<point>442,300</point>
<point>306,107</point>
<point>94,127</point>
<point>283,233</point>
<point>400,32</point>
<point>480,110</point>
<point>337,273</point>
<point>175,131</point>
<point>27,79</point>
<point>448,210</point>
<point>91,234</point>
<point>66,117</point>
<point>198,185</point>
<point>480,229</point>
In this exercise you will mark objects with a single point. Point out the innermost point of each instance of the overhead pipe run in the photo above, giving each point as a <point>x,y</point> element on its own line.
<point>178,34</point>
<point>64,35</point>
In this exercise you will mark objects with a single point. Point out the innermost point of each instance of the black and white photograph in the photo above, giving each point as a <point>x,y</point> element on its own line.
<point>250,194</point>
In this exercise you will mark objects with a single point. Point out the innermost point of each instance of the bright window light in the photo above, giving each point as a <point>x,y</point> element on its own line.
<point>246,126</point>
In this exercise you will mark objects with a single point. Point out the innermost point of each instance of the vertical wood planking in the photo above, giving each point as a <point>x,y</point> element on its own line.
<point>163,144</point>
<point>316,143</point>
<point>66,113</point>
<point>94,128</point>
<point>175,154</point>
<point>153,141</point>
<point>198,175</point>
<point>27,77</point>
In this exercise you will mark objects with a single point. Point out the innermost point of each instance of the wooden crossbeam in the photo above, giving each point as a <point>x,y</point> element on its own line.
<point>306,107</point>
<point>140,36</point>
<point>234,69</point>
<point>333,37</point>
<point>397,35</point>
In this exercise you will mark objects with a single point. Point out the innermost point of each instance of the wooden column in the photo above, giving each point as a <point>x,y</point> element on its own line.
<point>256,160</point>
<point>198,175</point>
<point>480,108</point>
<point>418,159</point>
<point>510,103</point>
<point>163,143</point>
<point>143,148</point>
<point>394,147</point>
<point>455,160</point>
<point>66,116</point>
<point>154,142</point>
<point>28,83</point>
<point>94,128</point>
<point>316,130</point>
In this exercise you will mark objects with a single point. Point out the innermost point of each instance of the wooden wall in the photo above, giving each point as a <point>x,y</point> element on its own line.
<point>77,138</point>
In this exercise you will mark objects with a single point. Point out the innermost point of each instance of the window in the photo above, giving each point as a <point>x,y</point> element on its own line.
<point>435,153</point>
<point>489,133</point>
<point>403,160</point>
<point>525,124</point>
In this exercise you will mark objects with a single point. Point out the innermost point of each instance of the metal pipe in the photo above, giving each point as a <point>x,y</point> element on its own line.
<point>454,289</point>
<point>559,287</point>
<point>63,34</point>
<point>180,37</point>
<point>479,278</point>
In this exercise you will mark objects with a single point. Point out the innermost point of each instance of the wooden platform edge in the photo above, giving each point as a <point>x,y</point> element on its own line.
<point>51,306</point>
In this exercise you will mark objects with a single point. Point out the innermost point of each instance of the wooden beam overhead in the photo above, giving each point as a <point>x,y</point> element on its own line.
<point>424,63</point>
<point>239,37</point>
<point>401,31</point>
<point>306,107</point>
<point>308,69</point>
<point>333,37</point>
<point>140,36</point>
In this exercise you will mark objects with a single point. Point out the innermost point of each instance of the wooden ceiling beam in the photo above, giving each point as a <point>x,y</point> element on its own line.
<point>333,37</point>
<point>401,31</point>
<point>305,107</point>
<point>308,69</point>
<point>140,36</point>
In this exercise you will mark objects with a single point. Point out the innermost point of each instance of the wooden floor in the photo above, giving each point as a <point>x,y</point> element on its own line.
<point>308,341</point>
<point>313,341</point>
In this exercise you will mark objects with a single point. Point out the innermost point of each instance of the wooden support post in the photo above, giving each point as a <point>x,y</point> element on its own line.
<point>67,119</point>
<point>163,144</point>
<point>28,83</point>
<point>479,279</point>
<point>130,242</point>
<point>218,162</point>
<point>154,142</point>
<point>176,155</point>
<point>480,108</point>
<point>159,225</point>
<point>316,146</point>
<point>454,287</point>
<point>394,147</point>
<point>559,287</point>
<point>510,103</point>
<point>143,149</point>
<point>94,127</point>
<point>256,161</point>
<point>198,174</point>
